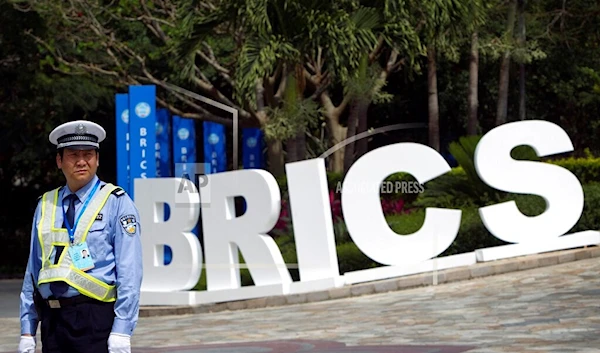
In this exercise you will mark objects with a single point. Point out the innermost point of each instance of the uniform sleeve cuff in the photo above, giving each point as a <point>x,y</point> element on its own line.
<point>29,327</point>
<point>123,327</point>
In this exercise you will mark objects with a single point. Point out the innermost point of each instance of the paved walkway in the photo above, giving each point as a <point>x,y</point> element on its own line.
<point>547,309</point>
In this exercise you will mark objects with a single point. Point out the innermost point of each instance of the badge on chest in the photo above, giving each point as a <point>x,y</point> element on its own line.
<point>81,256</point>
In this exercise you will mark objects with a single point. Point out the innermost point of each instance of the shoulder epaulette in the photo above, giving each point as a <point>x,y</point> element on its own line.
<point>118,192</point>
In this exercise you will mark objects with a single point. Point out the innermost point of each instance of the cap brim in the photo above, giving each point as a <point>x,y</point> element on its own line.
<point>81,147</point>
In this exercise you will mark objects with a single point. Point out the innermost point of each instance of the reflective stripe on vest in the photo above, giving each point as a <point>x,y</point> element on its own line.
<point>50,236</point>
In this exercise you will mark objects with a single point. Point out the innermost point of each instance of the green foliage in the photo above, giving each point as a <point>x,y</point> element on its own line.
<point>64,60</point>
<point>280,32</point>
<point>448,23</point>
<point>365,85</point>
<point>464,153</point>
<point>405,224</point>
<point>400,29</point>
<point>350,258</point>
<point>258,58</point>
<point>472,234</point>
<point>587,170</point>
<point>296,114</point>
<point>463,187</point>
<point>590,218</point>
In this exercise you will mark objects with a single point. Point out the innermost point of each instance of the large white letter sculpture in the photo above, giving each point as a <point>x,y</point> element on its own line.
<point>558,186</point>
<point>224,232</point>
<point>364,216</point>
<point>313,225</point>
<point>185,268</point>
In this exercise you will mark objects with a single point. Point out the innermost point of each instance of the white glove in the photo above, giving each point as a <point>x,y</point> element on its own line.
<point>27,344</point>
<point>119,343</point>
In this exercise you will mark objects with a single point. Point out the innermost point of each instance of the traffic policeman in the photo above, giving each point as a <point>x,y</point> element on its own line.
<point>83,276</point>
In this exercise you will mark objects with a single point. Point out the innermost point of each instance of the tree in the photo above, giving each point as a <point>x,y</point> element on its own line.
<point>398,47</point>
<point>521,42</point>
<point>502,110</point>
<point>33,101</point>
<point>447,23</point>
<point>320,41</point>
<point>479,16</point>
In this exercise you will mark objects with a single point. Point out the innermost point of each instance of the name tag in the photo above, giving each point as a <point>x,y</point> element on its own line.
<point>81,256</point>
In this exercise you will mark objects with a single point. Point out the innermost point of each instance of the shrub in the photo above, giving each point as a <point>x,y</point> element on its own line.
<point>472,233</point>
<point>587,170</point>
<point>350,258</point>
<point>590,218</point>
<point>462,187</point>
<point>405,224</point>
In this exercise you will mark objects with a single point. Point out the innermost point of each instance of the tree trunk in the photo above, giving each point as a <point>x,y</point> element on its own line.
<point>291,149</point>
<point>275,156</point>
<point>522,97</point>
<point>351,132</point>
<point>337,133</point>
<point>362,145</point>
<point>502,109</point>
<point>473,100</point>
<point>301,145</point>
<point>434,118</point>
<point>337,158</point>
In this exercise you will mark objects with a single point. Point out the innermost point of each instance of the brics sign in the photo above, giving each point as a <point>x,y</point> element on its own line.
<point>225,233</point>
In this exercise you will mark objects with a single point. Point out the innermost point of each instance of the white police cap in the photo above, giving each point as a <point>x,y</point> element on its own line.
<point>79,134</point>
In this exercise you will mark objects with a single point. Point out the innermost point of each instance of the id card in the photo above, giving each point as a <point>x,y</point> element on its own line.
<point>81,257</point>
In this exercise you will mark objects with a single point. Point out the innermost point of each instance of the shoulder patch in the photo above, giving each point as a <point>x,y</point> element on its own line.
<point>129,224</point>
<point>118,192</point>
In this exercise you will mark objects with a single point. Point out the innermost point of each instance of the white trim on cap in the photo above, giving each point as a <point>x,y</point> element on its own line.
<point>78,143</point>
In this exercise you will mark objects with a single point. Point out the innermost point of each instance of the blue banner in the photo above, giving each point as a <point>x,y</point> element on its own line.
<point>184,151</point>
<point>122,132</point>
<point>214,147</point>
<point>184,145</point>
<point>142,121</point>
<point>163,143</point>
<point>163,162</point>
<point>252,148</point>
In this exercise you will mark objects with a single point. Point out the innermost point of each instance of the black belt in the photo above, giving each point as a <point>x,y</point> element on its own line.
<point>63,302</point>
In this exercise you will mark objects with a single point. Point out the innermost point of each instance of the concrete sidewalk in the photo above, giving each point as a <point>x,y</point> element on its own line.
<point>540,303</point>
<point>478,270</point>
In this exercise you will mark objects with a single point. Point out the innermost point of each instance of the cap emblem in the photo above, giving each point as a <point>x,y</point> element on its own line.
<point>80,129</point>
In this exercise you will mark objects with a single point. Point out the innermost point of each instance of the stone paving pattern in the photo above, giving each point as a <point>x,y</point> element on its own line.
<point>551,305</point>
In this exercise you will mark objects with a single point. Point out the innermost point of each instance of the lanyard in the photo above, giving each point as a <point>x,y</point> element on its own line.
<point>70,229</point>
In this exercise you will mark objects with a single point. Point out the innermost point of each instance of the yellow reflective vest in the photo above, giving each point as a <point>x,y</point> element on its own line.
<point>49,236</point>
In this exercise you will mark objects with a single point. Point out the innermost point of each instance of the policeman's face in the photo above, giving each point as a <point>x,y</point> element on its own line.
<point>78,166</point>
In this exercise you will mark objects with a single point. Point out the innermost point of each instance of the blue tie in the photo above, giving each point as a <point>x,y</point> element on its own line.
<point>60,287</point>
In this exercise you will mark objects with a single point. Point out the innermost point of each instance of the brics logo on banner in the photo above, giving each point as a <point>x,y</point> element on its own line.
<point>183,133</point>
<point>143,110</point>
<point>213,139</point>
<point>251,142</point>
<point>125,116</point>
